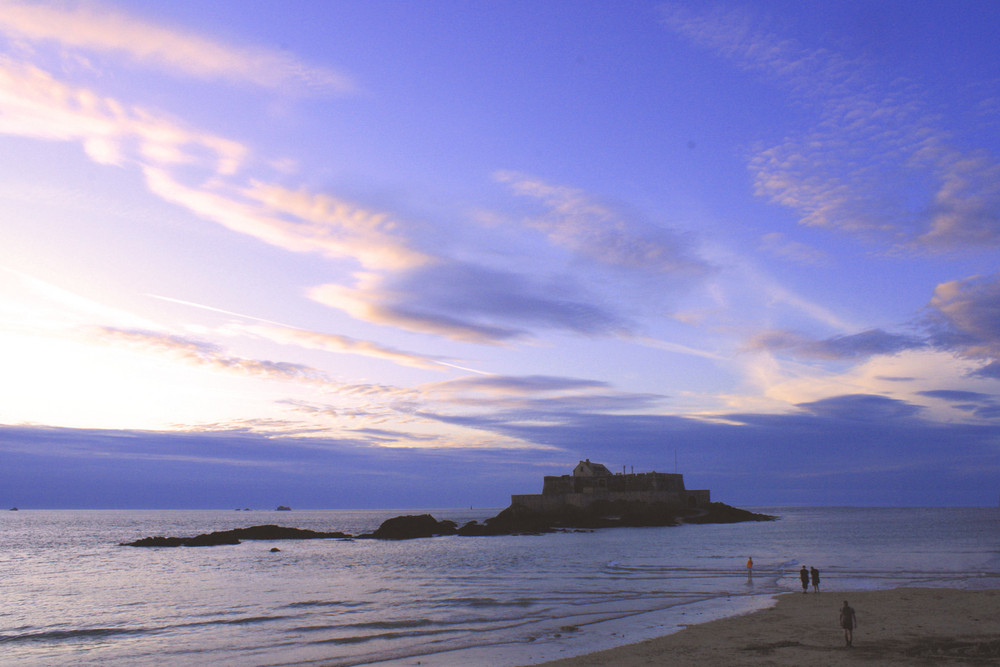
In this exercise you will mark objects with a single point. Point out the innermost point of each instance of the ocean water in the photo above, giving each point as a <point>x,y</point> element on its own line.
<point>69,595</point>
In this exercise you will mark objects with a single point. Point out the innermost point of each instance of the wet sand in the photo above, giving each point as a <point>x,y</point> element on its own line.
<point>906,626</point>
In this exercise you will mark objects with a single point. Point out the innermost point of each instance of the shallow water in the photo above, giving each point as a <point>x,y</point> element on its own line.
<point>72,596</point>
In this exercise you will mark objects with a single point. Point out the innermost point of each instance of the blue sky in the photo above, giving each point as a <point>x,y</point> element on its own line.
<point>396,254</point>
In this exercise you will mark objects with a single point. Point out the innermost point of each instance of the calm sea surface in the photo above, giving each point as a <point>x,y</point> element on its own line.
<point>69,595</point>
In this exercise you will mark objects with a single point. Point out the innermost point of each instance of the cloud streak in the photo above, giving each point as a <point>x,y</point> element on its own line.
<point>99,29</point>
<point>34,104</point>
<point>852,347</point>
<point>345,345</point>
<point>209,356</point>
<point>472,303</point>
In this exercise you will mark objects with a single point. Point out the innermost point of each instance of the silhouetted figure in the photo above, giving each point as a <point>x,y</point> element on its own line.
<point>847,621</point>
<point>749,568</point>
<point>804,576</point>
<point>814,573</point>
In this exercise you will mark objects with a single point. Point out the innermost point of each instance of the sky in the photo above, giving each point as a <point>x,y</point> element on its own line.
<point>397,254</point>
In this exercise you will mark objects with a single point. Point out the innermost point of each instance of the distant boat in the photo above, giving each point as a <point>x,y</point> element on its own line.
<point>283,508</point>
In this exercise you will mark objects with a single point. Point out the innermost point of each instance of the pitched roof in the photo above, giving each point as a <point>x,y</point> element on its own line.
<point>589,469</point>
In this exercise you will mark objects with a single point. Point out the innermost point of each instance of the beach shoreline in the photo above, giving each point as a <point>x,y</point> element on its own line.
<point>902,626</point>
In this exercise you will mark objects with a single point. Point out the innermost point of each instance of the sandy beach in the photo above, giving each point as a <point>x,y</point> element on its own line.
<point>907,626</point>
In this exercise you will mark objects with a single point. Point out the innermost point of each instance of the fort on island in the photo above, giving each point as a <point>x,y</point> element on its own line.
<point>592,497</point>
<point>592,482</point>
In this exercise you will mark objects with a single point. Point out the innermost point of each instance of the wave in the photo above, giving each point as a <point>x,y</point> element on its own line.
<point>326,603</point>
<point>246,620</point>
<point>361,639</point>
<point>89,633</point>
<point>373,625</point>
<point>484,602</point>
<point>75,633</point>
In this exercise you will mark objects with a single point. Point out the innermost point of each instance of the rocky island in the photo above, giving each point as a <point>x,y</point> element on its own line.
<point>592,497</point>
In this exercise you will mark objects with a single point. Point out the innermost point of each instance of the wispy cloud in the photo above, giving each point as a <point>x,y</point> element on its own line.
<point>33,305</point>
<point>876,162</point>
<point>575,220</point>
<point>35,104</point>
<point>476,401</point>
<point>294,221</point>
<point>344,344</point>
<point>338,227</point>
<point>287,334</point>
<point>525,384</point>
<point>837,348</point>
<point>210,356</point>
<point>779,245</point>
<point>965,316</point>
<point>213,309</point>
<point>93,27</point>
<point>677,348</point>
<point>472,303</point>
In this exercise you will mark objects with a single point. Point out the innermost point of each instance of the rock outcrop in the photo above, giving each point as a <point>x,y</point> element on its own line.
<point>723,513</point>
<point>413,526</point>
<point>520,520</point>
<point>269,532</point>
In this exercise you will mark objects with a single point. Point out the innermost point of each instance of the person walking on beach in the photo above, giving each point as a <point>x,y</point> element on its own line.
<point>847,621</point>
<point>804,576</point>
<point>814,573</point>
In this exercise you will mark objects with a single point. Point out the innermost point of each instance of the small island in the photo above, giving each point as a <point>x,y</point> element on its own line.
<point>592,497</point>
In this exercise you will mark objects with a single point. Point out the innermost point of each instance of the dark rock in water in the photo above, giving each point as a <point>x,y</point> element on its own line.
<point>723,513</point>
<point>272,532</point>
<point>472,529</point>
<point>283,508</point>
<point>269,532</point>
<point>158,541</point>
<point>520,520</point>
<point>212,539</point>
<point>275,550</point>
<point>413,526</point>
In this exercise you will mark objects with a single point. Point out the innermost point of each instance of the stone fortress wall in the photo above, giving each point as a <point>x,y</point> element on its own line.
<point>591,482</point>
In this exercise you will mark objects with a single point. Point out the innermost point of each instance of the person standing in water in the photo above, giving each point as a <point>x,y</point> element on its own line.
<point>749,568</point>
<point>804,576</point>
<point>847,621</point>
<point>814,573</point>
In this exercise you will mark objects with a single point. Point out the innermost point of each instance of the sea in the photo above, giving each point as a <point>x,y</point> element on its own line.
<point>70,595</point>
